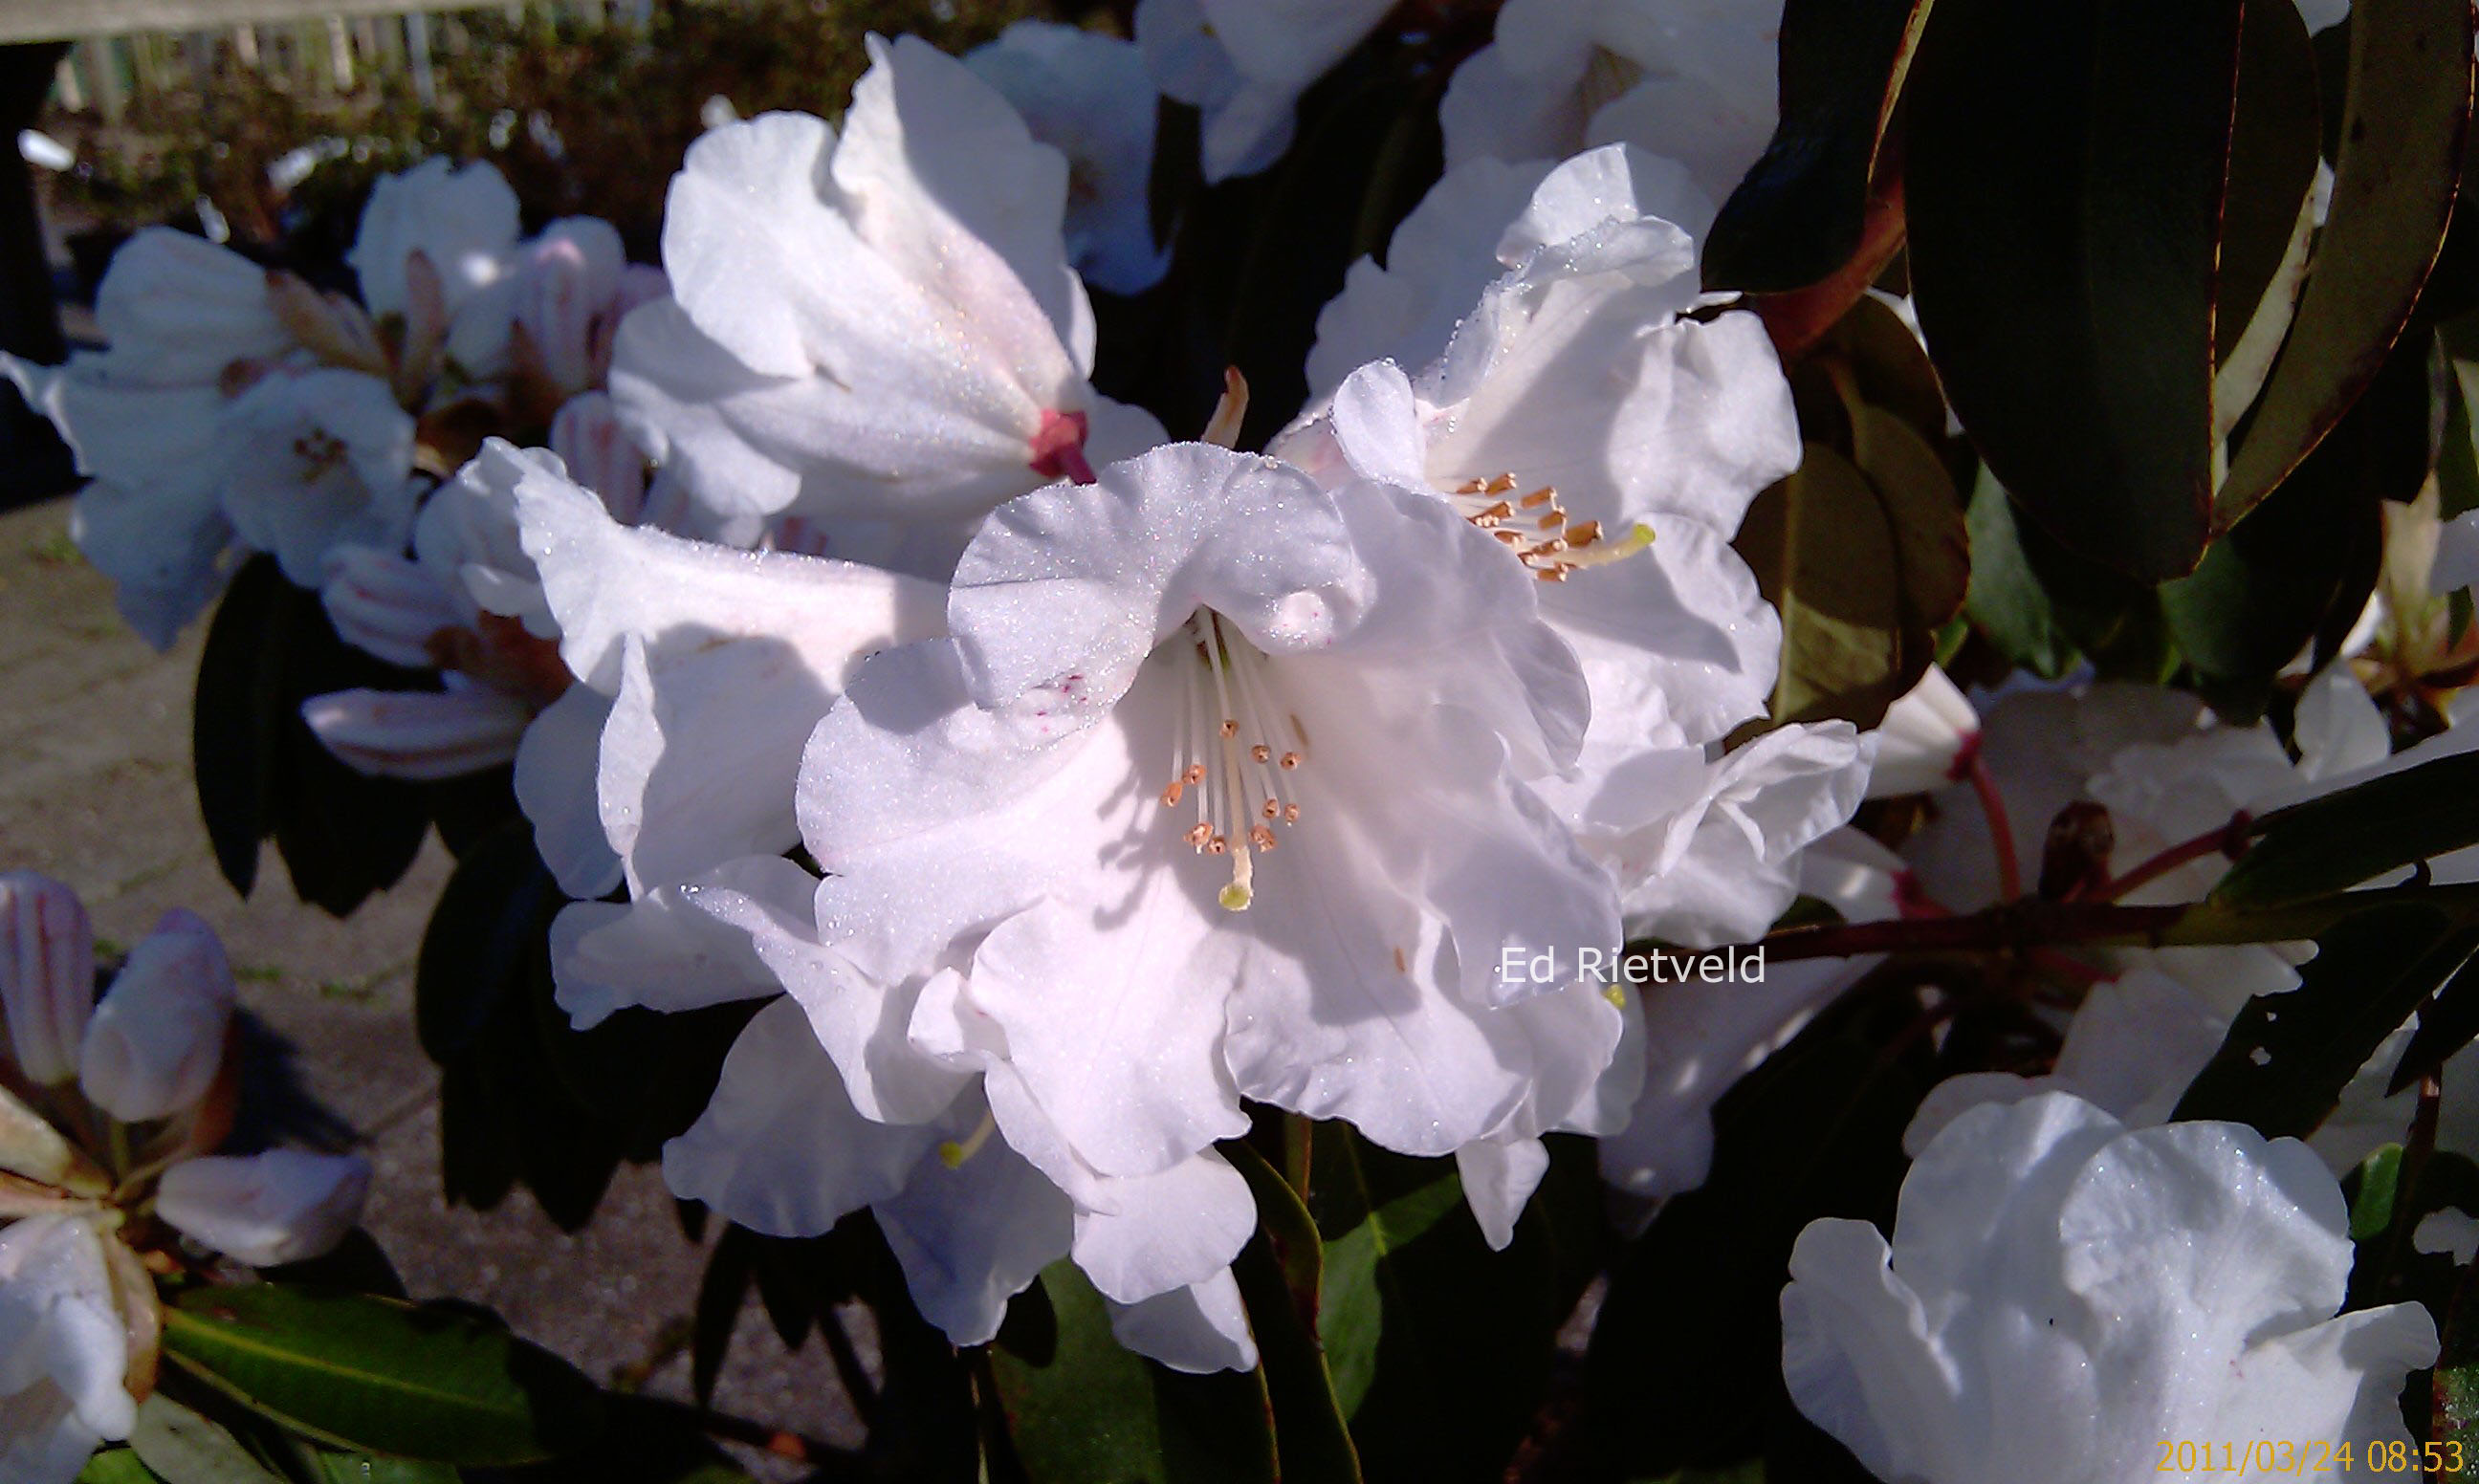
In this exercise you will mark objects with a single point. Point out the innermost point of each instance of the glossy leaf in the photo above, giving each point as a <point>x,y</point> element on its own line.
<point>1439,1348</point>
<point>2006,601</point>
<point>2401,156</point>
<point>1082,1408</point>
<point>237,720</point>
<point>184,1448</point>
<point>377,1374</point>
<point>2064,184</point>
<point>2341,839</point>
<point>1798,214</point>
<point>1280,1272</point>
<point>1825,557</point>
<point>118,1466</point>
<point>2447,1022</point>
<point>2287,1057</point>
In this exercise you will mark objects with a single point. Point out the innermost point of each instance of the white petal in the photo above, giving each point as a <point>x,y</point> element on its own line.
<point>2338,729</point>
<point>1197,1329</point>
<point>63,1351</point>
<point>283,1205</point>
<point>972,1236</point>
<point>554,786</point>
<point>678,947</point>
<point>779,1149</point>
<point>463,219</point>
<point>1923,736</point>
<point>1499,1176</point>
<point>176,308</point>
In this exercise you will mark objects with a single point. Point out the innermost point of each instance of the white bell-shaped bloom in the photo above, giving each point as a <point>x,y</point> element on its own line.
<point>145,418</point>
<point>282,1206</point>
<point>1212,794</point>
<point>157,1038</point>
<point>1692,80</point>
<point>1480,220</point>
<point>1245,62</point>
<point>64,1350</point>
<point>1088,95</point>
<point>321,459</point>
<point>2062,1293</point>
<point>46,975</point>
<point>881,323</point>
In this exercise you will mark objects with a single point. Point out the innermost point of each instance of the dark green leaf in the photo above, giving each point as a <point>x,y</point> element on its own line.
<point>1684,1369</point>
<point>1797,216</point>
<point>1279,1273</point>
<point>2372,1209</point>
<point>187,1448</point>
<point>239,723</point>
<point>1439,1348</point>
<point>118,1466</point>
<point>370,1469</point>
<point>373,1373</point>
<point>2269,586</point>
<point>1092,1412</point>
<point>2401,151</point>
<point>2005,599</point>
<point>1931,543</point>
<point>2457,458</point>
<point>2063,187</point>
<point>2287,1057</point>
<point>2446,1023</point>
<point>2336,842</point>
<point>2273,154</point>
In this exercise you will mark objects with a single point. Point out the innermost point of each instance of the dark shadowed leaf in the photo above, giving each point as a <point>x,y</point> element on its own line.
<point>1825,557</point>
<point>239,722</point>
<point>2006,601</point>
<point>364,1372</point>
<point>2287,1057</point>
<point>2336,842</point>
<point>1279,1272</point>
<point>183,1447</point>
<point>1089,1409</point>
<point>1797,215</point>
<point>2401,155</point>
<point>2064,182</point>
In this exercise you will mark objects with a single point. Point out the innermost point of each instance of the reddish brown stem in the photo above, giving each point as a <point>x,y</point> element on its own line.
<point>2000,830</point>
<point>2224,841</point>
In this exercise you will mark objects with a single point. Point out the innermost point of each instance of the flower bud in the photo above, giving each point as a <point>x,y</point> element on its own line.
<point>418,734</point>
<point>283,1205</point>
<point>387,606</point>
<point>599,454</point>
<point>566,288</point>
<point>46,975</point>
<point>157,1037</point>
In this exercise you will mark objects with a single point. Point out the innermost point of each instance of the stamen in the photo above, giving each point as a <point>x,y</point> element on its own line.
<point>1237,812</point>
<point>1544,542</point>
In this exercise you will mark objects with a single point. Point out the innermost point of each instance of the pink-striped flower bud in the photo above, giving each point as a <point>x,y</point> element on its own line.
<point>567,286</point>
<point>46,975</point>
<point>418,734</point>
<point>599,454</point>
<point>157,1037</point>
<point>385,605</point>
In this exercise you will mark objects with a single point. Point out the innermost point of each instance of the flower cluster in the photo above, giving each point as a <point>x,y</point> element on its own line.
<point>111,1110</point>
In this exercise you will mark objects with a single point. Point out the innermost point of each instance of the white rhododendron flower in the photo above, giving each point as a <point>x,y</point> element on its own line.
<point>1924,736</point>
<point>463,220</point>
<point>63,1351</point>
<point>1088,95</point>
<point>1245,62</point>
<point>1211,795</point>
<point>1580,419</point>
<point>1479,221</point>
<point>2062,1292</point>
<point>1692,80</point>
<point>321,459</point>
<point>877,323</point>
